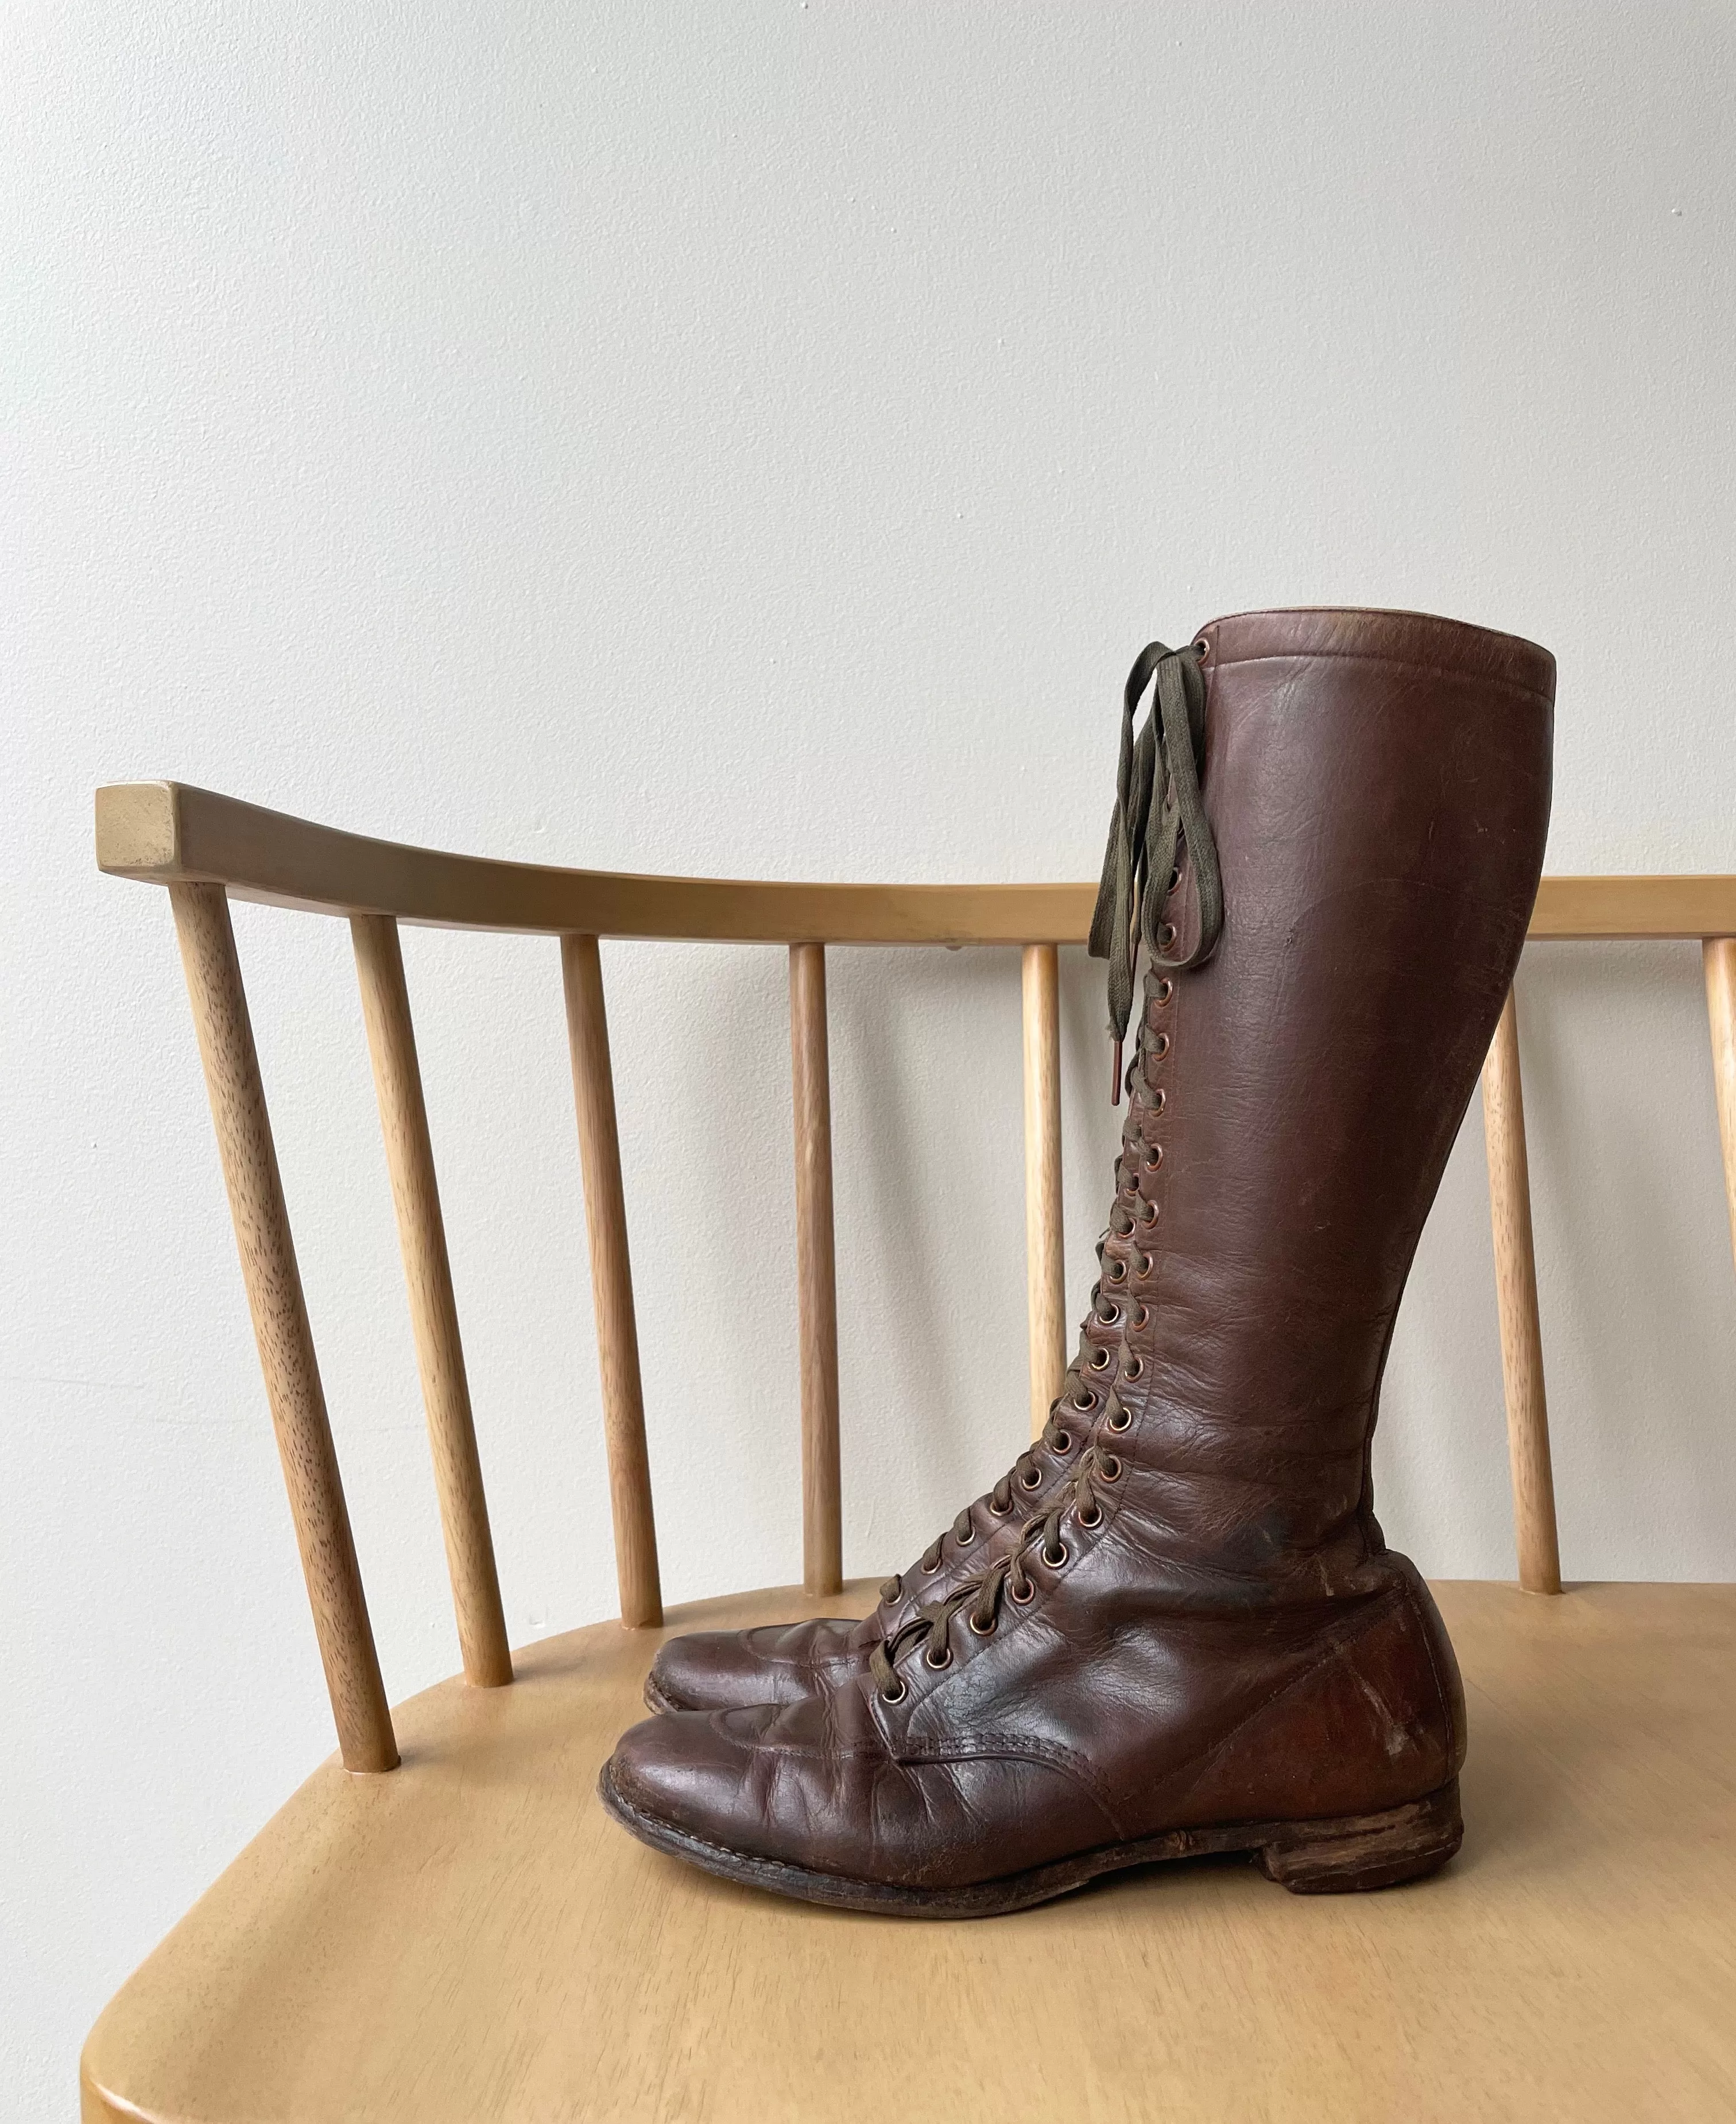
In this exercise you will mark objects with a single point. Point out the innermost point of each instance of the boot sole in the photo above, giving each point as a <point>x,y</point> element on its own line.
<point>654,1700</point>
<point>1340,1855</point>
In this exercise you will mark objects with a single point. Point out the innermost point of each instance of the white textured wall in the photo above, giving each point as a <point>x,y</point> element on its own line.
<point>755,439</point>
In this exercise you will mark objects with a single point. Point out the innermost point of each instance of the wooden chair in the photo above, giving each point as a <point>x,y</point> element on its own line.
<point>467,1938</point>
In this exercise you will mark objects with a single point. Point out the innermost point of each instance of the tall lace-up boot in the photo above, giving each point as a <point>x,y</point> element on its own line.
<point>1202,1642</point>
<point>716,1669</point>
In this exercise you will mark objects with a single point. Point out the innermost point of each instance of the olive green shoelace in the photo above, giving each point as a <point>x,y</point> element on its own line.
<point>1158,822</point>
<point>1006,1577</point>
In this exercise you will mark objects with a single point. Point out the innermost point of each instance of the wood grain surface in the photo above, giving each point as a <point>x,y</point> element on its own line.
<point>612,1286</point>
<point>433,1309</point>
<point>816,1272</point>
<point>164,831</point>
<point>473,1940</point>
<point>279,1313</point>
<point>1516,1296</point>
<point>1718,954</point>
<point>1045,1264</point>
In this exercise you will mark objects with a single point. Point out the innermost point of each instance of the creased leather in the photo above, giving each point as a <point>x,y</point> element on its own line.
<point>776,1663</point>
<point>1234,1640</point>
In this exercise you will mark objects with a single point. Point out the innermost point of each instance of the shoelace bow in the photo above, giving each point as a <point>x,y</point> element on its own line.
<point>1006,1576</point>
<point>1158,818</point>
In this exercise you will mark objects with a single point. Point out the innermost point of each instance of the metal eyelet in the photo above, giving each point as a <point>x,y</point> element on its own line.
<point>1161,1045</point>
<point>1135,1368</point>
<point>1147,1213</point>
<point>930,1569</point>
<point>1086,1405</point>
<point>1142,1264</point>
<point>1120,1420</point>
<point>1110,1469</point>
<point>1202,650</point>
<point>1116,1272</point>
<point>1031,1480</point>
<point>1141,1315</point>
<point>1094,1522</point>
<point>1167,934</point>
<point>1059,1561</point>
<point>1021,1599</point>
<point>1174,878</point>
<point>937,1665</point>
<point>1112,1318</point>
<point>999,1511</point>
<point>1165,989</point>
<point>1121,1231</point>
<point>1160,1100</point>
<point>976,1631</point>
<point>1063,1444</point>
<point>897,1695</point>
<point>1155,1159</point>
<point>1100,1360</point>
<point>965,1541</point>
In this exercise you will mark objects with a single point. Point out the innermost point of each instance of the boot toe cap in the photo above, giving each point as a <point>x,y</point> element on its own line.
<point>727,1670</point>
<point>684,1773</point>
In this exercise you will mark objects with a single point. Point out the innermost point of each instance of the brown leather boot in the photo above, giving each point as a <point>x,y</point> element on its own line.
<point>1203,1644</point>
<point>721,1669</point>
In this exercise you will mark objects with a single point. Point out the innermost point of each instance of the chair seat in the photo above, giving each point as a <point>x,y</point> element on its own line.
<point>471,1938</point>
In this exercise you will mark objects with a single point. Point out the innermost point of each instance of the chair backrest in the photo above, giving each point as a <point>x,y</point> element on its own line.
<point>206,848</point>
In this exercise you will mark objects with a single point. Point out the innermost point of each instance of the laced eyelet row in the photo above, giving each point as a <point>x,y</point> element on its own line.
<point>1134,1212</point>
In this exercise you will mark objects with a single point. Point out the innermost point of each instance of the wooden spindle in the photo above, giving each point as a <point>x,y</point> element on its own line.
<point>1516,1291</point>
<point>1718,955</point>
<point>434,1312</point>
<point>612,1287</point>
<point>275,1299</point>
<point>816,1272</point>
<point>1045,1278</point>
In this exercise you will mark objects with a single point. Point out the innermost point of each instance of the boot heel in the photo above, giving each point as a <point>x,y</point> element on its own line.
<point>1365,1850</point>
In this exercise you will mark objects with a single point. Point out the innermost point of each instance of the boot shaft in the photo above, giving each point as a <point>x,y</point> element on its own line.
<point>1378,786</point>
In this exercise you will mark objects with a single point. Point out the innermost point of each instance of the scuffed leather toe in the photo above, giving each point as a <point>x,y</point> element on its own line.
<point>727,1670</point>
<point>812,1784</point>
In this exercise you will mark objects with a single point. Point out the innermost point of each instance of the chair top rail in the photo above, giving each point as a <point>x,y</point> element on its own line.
<point>169,833</point>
